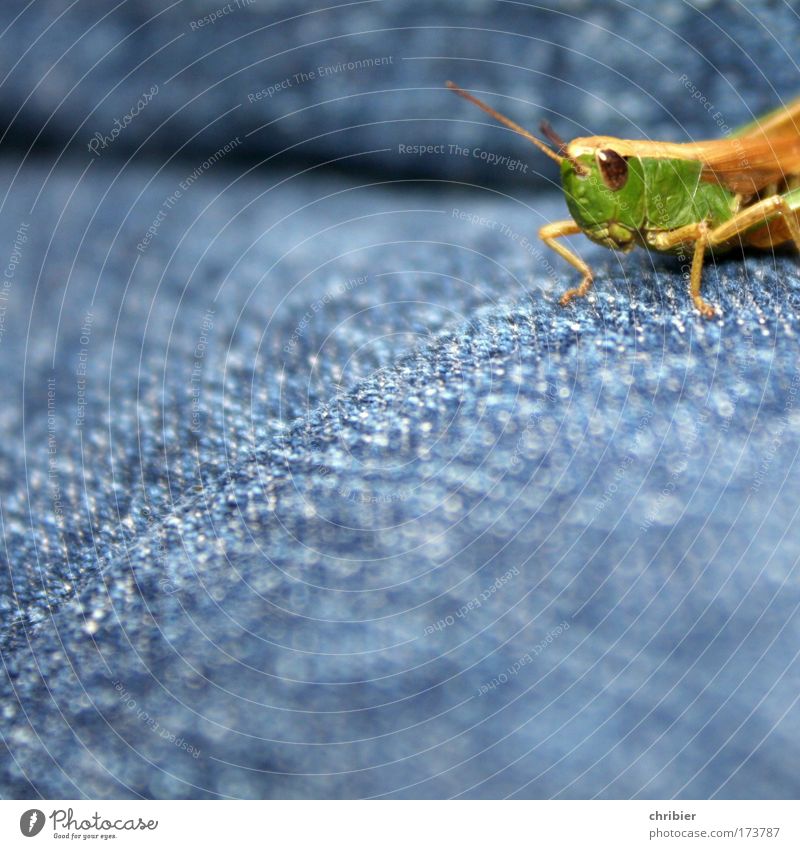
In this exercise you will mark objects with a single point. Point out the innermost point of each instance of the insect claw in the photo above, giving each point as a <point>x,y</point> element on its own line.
<point>578,292</point>
<point>704,308</point>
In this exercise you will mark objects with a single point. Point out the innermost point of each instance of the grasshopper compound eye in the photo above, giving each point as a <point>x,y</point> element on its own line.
<point>613,169</point>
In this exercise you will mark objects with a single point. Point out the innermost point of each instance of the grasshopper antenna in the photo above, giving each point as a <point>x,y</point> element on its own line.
<point>554,138</point>
<point>551,135</point>
<point>507,122</point>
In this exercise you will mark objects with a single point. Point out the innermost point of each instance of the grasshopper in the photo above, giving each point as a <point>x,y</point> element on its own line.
<point>685,199</point>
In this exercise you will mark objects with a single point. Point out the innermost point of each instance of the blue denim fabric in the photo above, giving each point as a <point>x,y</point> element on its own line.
<point>315,491</point>
<point>656,69</point>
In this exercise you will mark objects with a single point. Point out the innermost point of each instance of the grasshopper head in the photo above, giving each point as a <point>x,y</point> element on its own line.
<point>604,191</point>
<point>603,183</point>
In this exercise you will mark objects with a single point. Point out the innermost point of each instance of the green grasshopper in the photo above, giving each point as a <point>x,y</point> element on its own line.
<point>675,198</point>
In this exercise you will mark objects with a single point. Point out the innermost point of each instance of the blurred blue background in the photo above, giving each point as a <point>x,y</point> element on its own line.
<point>309,487</point>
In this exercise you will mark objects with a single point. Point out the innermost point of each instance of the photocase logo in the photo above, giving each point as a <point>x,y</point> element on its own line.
<point>31,822</point>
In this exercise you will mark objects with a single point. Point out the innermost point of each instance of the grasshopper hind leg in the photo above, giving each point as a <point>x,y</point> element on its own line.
<point>558,229</point>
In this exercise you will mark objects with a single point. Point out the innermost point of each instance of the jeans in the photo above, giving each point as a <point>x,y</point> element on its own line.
<point>311,489</point>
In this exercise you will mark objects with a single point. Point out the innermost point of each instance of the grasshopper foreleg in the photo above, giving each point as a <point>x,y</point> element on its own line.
<point>548,234</point>
<point>700,235</point>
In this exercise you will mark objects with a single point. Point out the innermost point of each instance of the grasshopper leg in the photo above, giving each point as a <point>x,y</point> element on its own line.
<point>548,234</point>
<point>700,236</point>
<point>704,238</point>
<point>759,213</point>
<point>696,275</point>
